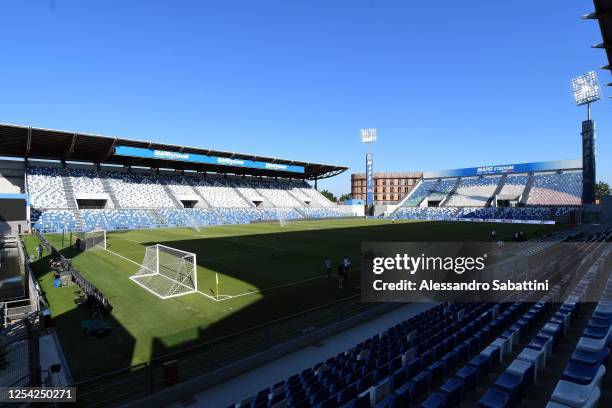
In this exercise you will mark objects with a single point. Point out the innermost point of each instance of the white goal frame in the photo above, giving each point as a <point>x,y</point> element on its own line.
<point>85,240</point>
<point>147,272</point>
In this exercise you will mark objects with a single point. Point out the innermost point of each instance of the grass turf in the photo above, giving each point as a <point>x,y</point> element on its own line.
<point>274,271</point>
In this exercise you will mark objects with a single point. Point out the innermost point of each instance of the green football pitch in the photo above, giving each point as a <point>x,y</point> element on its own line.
<point>266,271</point>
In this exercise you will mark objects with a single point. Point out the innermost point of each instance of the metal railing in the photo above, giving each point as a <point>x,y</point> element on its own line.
<point>192,361</point>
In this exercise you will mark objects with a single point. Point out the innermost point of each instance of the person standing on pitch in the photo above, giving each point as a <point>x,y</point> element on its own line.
<point>328,264</point>
<point>346,264</point>
<point>341,276</point>
<point>493,235</point>
<point>39,250</point>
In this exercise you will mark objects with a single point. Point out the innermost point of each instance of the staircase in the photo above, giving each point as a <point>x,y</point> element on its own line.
<point>169,192</point>
<point>108,189</point>
<point>313,201</point>
<point>429,193</point>
<point>299,211</point>
<point>296,198</point>
<point>267,202</point>
<point>450,193</point>
<point>197,192</point>
<point>409,194</point>
<point>249,202</point>
<point>527,190</point>
<point>79,222</point>
<point>502,181</point>
<point>68,189</point>
<point>157,217</point>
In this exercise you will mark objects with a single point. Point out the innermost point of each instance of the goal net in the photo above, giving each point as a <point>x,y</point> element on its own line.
<point>92,240</point>
<point>167,272</point>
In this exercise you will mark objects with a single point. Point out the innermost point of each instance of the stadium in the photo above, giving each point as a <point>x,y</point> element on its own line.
<point>139,273</point>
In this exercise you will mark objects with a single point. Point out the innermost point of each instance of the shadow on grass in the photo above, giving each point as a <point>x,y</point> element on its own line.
<point>258,261</point>
<point>86,354</point>
<point>300,254</point>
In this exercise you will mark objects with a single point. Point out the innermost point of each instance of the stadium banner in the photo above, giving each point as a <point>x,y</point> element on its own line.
<point>491,220</point>
<point>575,164</point>
<point>480,271</point>
<point>369,179</point>
<point>201,158</point>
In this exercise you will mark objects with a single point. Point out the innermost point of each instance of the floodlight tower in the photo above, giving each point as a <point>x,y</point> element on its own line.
<point>586,91</point>
<point>368,136</point>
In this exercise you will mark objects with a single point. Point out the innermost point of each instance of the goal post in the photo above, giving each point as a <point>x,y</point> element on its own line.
<point>167,272</point>
<point>92,240</point>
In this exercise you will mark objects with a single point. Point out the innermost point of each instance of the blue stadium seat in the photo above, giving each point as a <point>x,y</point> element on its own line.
<point>434,400</point>
<point>511,383</point>
<point>404,395</point>
<point>495,398</point>
<point>362,401</point>
<point>468,375</point>
<point>398,378</point>
<point>579,372</point>
<point>481,363</point>
<point>454,391</point>
<point>421,381</point>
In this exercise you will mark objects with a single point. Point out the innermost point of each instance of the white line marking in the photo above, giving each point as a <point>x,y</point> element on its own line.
<point>229,297</point>
<point>123,257</point>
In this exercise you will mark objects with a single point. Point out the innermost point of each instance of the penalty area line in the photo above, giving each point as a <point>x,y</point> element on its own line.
<point>253,292</point>
<point>123,257</point>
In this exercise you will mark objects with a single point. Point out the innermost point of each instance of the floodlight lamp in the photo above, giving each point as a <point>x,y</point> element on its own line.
<point>368,135</point>
<point>586,88</point>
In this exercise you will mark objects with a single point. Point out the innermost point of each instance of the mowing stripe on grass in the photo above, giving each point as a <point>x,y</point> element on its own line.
<point>235,240</point>
<point>276,287</point>
<point>222,298</point>
<point>271,251</point>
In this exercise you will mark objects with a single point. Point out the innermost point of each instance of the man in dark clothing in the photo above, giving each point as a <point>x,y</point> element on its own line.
<point>328,264</point>
<point>341,276</point>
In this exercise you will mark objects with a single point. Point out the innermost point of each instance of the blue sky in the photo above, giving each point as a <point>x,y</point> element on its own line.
<point>448,84</point>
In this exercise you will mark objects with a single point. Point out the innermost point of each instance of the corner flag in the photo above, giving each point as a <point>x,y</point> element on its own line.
<point>217,280</point>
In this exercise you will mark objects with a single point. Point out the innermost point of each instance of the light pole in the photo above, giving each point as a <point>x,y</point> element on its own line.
<point>586,91</point>
<point>368,136</point>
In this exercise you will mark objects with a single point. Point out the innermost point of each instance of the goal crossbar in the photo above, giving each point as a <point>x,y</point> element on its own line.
<point>92,239</point>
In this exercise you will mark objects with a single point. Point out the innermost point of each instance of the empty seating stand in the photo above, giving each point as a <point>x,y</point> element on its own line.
<point>560,189</point>
<point>148,199</point>
<point>580,381</point>
<point>406,363</point>
<point>439,356</point>
<point>474,191</point>
<point>579,385</point>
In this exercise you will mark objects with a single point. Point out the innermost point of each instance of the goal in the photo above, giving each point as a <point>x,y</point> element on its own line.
<point>92,240</point>
<point>167,272</point>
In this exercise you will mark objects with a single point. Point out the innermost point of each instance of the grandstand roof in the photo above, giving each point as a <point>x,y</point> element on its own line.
<point>36,143</point>
<point>603,13</point>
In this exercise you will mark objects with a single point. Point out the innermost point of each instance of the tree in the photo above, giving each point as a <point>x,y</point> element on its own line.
<point>601,189</point>
<point>329,195</point>
<point>345,197</point>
